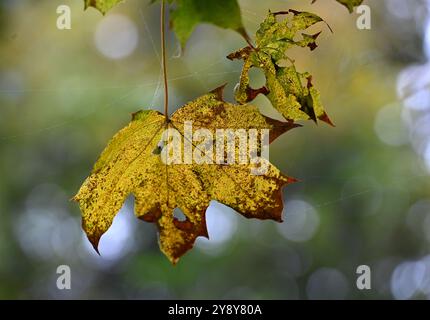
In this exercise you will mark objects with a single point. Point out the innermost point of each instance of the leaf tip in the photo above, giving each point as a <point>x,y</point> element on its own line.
<point>219,92</point>
<point>325,118</point>
<point>142,114</point>
<point>313,45</point>
<point>135,115</point>
<point>94,240</point>
<point>291,180</point>
<point>279,127</point>
<point>174,261</point>
<point>75,198</point>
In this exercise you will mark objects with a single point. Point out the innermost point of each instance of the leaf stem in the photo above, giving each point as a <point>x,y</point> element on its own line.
<point>163,57</point>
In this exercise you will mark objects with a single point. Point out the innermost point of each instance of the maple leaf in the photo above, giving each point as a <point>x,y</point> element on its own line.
<point>290,92</point>
<point>132,164</point>
<point>189,13</point>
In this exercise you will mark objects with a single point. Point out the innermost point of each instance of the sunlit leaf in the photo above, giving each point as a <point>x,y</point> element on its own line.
<point>132,164</point>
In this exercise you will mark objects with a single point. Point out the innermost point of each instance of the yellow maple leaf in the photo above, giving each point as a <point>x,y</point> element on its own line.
<point>133,163</point>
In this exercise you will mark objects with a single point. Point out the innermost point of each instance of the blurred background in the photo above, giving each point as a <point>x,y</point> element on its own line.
<point>364,190</point>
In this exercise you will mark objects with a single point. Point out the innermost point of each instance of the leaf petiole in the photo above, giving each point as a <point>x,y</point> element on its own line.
<point>163,57</point>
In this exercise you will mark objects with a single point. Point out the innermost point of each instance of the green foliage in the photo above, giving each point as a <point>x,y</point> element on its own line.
<point>350,4</point>
<point>189,13</point>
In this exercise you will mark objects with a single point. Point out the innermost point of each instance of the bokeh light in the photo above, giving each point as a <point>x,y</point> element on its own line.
<point>116,36</point>
<point>301,221</point>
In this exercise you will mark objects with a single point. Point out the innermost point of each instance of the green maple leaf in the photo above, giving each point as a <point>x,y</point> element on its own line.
<point>189,13</point>
<point>290,92</point>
